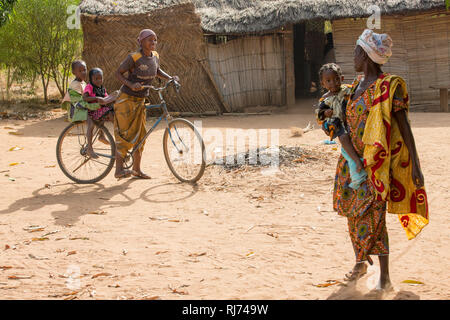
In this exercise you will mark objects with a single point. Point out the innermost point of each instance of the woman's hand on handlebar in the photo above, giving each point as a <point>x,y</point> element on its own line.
<point>176,78</point>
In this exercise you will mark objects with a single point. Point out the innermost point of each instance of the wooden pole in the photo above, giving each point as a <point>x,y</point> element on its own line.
<point>289,65</point>
<point>225,105</point>
<point>444,99</point>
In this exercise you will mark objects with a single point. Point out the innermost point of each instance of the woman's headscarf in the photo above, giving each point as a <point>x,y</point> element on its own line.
<point>98,91</point>
<point>377,46</point>
<point>144,34</point>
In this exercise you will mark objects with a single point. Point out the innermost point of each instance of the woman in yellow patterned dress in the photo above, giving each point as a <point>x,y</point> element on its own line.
<point>376,116</point>
<point>129,111</point>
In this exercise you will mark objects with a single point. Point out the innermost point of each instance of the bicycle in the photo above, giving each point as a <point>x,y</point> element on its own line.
<point>186,161</point>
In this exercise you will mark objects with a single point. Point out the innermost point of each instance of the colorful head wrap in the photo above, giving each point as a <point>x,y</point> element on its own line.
<point>377,46</point>
<point>144,34</point>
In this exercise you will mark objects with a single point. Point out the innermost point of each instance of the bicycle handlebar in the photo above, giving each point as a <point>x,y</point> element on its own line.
<point>176,84</point>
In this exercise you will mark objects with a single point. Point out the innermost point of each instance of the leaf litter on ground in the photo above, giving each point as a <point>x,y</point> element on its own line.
<point>177,291</point>
<point>197,254</point>
<point>19,277</point>
<point>327,283</point>
<point>102,274</point>
<point>413,282</point>
<point>99,212</point>
<point>34,228</point>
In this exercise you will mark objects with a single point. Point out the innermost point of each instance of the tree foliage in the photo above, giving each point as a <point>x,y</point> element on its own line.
<point>6,6</point>
<point>37,40</point>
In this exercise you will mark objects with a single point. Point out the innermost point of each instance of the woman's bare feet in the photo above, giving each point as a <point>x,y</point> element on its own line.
<point>384,284</point>
<point>121,174</point>
<point>139,175</point>
<point>359,270</point>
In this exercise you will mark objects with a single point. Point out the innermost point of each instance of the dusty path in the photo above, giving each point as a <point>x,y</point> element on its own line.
<point>241,235</point>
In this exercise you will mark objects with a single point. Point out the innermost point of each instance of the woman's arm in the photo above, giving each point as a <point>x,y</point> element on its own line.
<point>133,86</point>
<point>163,75</point>
<point>124,67</point>
<point>407,135</point>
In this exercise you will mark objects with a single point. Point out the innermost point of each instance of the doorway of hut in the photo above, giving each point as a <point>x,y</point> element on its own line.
<point>313,47</point>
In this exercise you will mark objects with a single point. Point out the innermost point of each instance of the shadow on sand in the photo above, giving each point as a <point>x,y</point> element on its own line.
<point>79,200</point>
<point>349,291</point>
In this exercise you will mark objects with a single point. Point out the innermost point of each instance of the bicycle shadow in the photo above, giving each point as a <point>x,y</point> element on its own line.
<point>169,192</point>
<point>83,199</point>
<point>78,199</point>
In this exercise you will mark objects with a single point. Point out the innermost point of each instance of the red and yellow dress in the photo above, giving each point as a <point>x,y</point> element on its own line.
<point>376,138</point>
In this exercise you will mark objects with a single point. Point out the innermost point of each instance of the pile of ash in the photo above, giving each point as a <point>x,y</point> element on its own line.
<point>265,157</point>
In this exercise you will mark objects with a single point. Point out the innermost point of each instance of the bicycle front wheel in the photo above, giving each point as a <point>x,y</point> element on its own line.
<point>72,156</point>
<point>184,151</point>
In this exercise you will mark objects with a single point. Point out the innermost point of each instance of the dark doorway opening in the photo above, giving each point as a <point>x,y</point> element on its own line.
<point>313,47</point>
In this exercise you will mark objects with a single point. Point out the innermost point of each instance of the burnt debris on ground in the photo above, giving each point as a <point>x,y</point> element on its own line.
<point>268,156</point>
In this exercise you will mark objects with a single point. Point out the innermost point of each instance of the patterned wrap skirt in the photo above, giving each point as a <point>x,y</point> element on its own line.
<point>129,123</point>
<point>366,215</point>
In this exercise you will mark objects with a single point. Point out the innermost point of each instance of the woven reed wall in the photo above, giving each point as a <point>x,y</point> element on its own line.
<point>108,40</point>
<point>249,71</point>
<point>427,42</point>
<point>421,52</point>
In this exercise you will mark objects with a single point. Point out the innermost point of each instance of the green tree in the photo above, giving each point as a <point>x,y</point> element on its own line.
<point>42,43</point>
<point>14,67</point>
<point>6,6</point>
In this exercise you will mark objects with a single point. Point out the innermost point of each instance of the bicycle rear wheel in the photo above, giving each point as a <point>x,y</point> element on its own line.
<point>73,160</point>
<point>184,151</point>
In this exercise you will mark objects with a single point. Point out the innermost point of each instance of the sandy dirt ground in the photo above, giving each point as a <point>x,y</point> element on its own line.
<point>241,234</point>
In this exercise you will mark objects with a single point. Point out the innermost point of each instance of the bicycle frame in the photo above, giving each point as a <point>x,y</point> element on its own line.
<point>165,116</point>
<point>174,131</point>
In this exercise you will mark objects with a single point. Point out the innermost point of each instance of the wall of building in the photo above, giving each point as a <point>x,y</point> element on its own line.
<point>421,52</point>
<point>249,70</point>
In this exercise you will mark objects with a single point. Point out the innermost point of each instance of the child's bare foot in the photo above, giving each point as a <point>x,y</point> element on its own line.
<point>90,152</point>
<point>102,138</point>
<point>359,166</point>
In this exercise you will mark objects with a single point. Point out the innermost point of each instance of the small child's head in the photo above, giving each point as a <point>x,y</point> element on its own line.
<point>79,70</point>
<point>96,77</point>
<point>331,77</point>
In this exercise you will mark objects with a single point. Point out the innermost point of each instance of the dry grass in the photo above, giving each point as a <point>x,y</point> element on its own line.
<point>26,100</point>
<point>242,16</point>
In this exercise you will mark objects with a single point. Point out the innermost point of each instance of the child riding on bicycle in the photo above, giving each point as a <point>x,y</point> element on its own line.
<point>77,107</point>
<point>95,92</point>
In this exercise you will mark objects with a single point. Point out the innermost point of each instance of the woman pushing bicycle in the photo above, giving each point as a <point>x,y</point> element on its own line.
<point>129,118</point>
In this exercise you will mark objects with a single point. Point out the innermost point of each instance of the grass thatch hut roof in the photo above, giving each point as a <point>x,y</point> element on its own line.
<point>111,26</point>
<point>242,16</point>
<point>110,37</point>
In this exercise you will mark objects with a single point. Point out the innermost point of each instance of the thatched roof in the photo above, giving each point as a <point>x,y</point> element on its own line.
<point>241,16</point>
<point>108,39</point>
